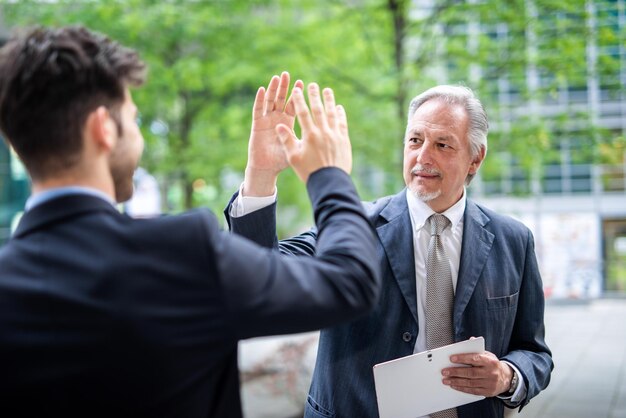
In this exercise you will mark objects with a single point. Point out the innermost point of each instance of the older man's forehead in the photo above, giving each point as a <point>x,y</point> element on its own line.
<point>420,127</point>
<point>438,115</point>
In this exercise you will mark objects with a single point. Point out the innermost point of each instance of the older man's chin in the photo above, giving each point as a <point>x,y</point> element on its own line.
<point>424,196</point>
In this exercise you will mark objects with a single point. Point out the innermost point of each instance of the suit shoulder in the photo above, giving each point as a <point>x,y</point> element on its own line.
<point>184,226</point>
<point>200,214</point>
<point>504,223</point>
<point>374,207</point>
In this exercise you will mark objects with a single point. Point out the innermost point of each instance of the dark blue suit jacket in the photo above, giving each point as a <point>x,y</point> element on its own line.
<point>499,296</point>
<point>102,315</point>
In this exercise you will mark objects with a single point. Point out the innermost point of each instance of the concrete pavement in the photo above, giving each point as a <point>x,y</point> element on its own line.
<point>588,340</point>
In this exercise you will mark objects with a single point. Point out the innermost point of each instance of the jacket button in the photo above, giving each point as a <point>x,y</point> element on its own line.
<point>406,337</point>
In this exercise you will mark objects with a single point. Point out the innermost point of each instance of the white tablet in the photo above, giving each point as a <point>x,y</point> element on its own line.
<point>411,386</point>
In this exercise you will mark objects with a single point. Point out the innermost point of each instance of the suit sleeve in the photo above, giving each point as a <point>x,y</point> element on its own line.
<point>266,292</point>
<point>260,227</point>
<point>528,349</point>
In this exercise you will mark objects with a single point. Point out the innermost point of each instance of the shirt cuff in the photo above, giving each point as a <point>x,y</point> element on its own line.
<point>520,392</point>
<point>244,205</point>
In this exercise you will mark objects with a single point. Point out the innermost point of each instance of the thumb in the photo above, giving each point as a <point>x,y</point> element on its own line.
<point>288,139</point>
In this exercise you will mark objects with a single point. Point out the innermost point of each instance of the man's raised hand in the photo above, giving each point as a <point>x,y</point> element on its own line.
<point>266,158</point>
<point>325,141</point>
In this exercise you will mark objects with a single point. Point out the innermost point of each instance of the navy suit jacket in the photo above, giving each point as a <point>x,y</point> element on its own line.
<point>499,296</point>
<point>102,315</point>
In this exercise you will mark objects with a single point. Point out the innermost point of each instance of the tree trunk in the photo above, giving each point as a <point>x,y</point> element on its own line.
<point>398,10</point>
<point>185,130</point>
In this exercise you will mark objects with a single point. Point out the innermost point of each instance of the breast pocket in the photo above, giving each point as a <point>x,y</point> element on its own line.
<point>314,410</point>
<point>500,315</point>
<point>502,302</point>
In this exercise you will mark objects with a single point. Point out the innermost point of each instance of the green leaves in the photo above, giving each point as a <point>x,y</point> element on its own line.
<point>207,58</point>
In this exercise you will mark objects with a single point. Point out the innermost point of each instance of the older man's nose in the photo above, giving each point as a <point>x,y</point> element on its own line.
<point>424,153</point>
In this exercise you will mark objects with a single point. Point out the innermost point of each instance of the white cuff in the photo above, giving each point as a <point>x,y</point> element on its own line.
<point>244,205</point>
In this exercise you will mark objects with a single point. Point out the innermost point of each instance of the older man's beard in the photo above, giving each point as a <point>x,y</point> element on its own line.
<point>423,196</point>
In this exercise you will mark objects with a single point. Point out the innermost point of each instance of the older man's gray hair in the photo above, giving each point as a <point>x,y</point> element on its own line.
<point>463,96</point>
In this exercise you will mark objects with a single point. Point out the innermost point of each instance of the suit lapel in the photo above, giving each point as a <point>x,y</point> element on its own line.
<point>475,249</point>
<point>396,238</point>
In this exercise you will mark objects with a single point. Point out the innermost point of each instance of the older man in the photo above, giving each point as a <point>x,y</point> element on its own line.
<point>487,283</point>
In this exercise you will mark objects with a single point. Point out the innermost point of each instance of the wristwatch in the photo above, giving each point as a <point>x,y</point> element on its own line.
<point>514,383</point>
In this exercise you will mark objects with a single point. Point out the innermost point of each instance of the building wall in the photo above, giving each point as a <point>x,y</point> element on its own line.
<point>14,190</point>
<point>575,253</point>
<point>573,201</point>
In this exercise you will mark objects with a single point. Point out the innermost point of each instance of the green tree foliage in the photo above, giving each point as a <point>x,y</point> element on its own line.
<point>206,61</point>
<point>207,58</point>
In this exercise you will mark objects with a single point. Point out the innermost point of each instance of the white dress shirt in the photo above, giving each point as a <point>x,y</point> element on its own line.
<point>243,205</point>
<point>452,240</point>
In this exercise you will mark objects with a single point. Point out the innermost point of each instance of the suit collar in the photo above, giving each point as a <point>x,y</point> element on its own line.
<point>396,207</point>
<point>56,192</point>
<point>396,237</point>
<point>420,211</point>
<point>475,249</point>
<point>60,208</point>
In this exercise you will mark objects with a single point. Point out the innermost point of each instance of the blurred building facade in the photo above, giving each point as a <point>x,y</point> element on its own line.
<point>14,190</point>
<point>14,183</point>
<point>573,201</point>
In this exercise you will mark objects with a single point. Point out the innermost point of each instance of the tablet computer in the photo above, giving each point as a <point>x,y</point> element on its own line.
<point>411,386</point>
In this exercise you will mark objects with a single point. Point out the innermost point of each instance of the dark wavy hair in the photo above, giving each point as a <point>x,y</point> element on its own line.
<point>50,81</point>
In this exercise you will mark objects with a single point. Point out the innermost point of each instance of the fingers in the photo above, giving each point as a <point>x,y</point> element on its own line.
<point>257,108</point>
<point>331,108</point>
<point>317,109</point>
<point>289,108</point>
<point>484,391</point>
<point>302,111</point>
<point>473,359</point>
<point>482,378</point>
<point>322,145</point>
<point>276,94</point>
<point>463,372</point>
<point>327,116</point>
<point>482,386</point>
<point>289,141</point>
<point>283,88</point>
<point>342,121</point>
<point>272,92</point>
<point>468,379</point>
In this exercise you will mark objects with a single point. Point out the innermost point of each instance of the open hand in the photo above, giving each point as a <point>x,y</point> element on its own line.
<point>266,158</point>
<point>488,376</point>
<point>325,140</point>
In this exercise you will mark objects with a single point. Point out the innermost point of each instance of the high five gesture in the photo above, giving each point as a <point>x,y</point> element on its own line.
<point>325,141</point>
<point>266,158</point>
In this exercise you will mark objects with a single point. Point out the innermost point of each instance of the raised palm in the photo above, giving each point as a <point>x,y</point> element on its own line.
<point>271,108</point>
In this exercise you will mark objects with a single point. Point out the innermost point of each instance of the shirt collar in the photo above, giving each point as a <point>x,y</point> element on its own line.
<point>49,194</point>
<point>420,211</point>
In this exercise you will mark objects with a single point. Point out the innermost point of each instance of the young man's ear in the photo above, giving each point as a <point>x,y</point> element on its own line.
<point>100,128</point>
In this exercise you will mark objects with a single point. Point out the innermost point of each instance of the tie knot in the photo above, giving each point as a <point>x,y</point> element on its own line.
<point>438,223</point>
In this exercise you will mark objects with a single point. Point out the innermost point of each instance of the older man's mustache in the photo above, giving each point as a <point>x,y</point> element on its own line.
<point>420,169</point>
